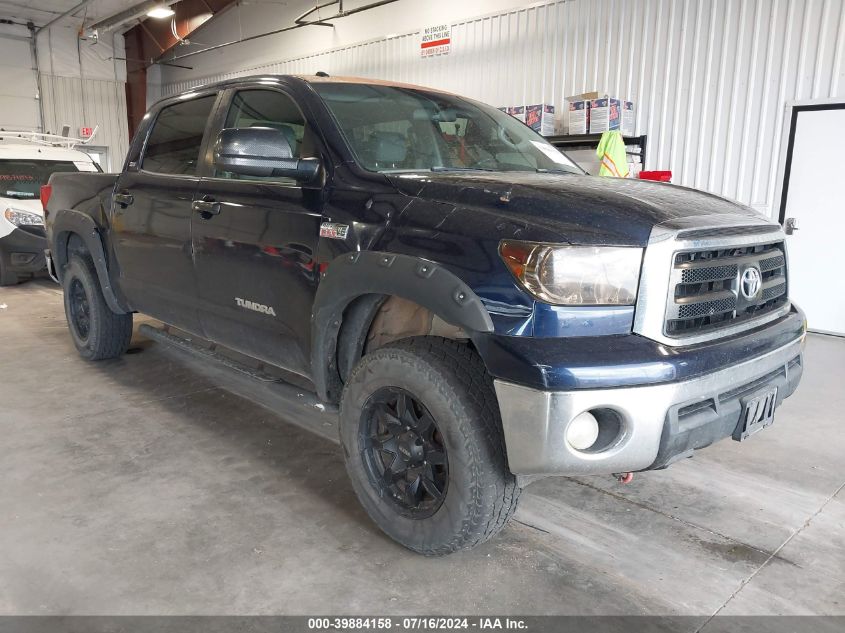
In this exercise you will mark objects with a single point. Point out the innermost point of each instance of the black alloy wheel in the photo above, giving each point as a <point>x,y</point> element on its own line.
<point>80,309</point>
<point>403,453</point>
<point>97,332</point>
<point>423,445</point>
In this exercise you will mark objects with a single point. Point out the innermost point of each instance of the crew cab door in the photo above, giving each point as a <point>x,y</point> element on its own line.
<point>255,241</point>
<point>151,214</point>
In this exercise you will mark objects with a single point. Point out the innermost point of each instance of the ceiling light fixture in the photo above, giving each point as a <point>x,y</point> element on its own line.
<point>160,12</point>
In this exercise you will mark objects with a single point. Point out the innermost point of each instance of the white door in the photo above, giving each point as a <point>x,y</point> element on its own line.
<point>815,200</point>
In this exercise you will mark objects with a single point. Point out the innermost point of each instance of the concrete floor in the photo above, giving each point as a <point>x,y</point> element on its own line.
<point>152,485</point>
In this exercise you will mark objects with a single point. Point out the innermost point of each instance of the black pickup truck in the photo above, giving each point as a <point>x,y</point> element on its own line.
<point>482,311</point>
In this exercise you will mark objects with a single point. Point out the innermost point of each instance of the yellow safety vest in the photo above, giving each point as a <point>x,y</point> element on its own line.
<point>611,154</point>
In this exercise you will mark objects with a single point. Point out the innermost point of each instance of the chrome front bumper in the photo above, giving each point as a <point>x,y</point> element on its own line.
<point>535,421</point>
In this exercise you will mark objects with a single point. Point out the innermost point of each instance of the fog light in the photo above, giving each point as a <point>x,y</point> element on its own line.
<point>583,431</point>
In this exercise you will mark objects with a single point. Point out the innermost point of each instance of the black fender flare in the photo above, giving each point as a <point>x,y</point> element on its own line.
<point>374,273</point>
<point>67,221</point>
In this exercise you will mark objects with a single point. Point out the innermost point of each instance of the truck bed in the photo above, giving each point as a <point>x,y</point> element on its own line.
<point>84,191</point>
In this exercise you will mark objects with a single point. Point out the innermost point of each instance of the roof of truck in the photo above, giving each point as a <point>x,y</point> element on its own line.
<point>312,79</point>
<point>322,79</point>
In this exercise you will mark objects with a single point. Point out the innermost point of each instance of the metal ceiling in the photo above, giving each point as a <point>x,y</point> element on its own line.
<point>150,39</point>
<point>40,12</point>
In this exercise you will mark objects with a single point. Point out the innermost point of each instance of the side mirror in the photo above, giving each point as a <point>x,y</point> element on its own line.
<point>261,151</point>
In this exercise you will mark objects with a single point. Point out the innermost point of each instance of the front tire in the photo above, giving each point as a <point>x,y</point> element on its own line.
<point>97,332</point>
<point>422,439</point>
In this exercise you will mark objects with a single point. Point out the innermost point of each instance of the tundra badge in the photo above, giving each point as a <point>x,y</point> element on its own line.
<point>255,307</point>
<point>334,231</point>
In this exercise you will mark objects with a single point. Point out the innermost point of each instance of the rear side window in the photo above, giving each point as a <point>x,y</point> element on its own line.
<point>173,146</point>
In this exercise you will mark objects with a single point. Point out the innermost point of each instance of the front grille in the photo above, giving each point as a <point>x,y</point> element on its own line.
<point>698,309</point>
<point>774,291</point>
<point>697,275</point>
<point>706,287</point>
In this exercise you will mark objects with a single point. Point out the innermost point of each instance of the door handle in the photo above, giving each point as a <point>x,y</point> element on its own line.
<point>124,199</point>
<point>791,225</point>
<point>206,207</point>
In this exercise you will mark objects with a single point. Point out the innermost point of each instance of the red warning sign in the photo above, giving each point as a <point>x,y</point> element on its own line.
<point>436,40</point>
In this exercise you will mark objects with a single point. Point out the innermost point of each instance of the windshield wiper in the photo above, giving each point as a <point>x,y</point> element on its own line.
<point>444,168</point>
<point>543,170</point>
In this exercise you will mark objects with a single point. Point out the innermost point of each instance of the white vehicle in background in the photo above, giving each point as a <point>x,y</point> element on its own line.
<point>27,159</point>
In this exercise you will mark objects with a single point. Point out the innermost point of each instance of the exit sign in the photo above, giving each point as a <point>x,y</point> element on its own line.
<point>86,132</point>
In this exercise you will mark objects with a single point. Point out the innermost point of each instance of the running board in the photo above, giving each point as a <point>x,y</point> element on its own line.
<point>294,404</point>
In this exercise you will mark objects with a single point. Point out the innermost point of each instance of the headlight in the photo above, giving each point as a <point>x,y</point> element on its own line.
<point>19,217</point>
<point>575,275</point>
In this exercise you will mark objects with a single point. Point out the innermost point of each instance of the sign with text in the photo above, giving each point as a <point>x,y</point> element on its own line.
<point>436,40</point>
<point>86,132</point>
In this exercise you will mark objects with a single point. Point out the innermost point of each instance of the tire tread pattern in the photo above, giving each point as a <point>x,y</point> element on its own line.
<point>111,332</point>
<point>497,494</point>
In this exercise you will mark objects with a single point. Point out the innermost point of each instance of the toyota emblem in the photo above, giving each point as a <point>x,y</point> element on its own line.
<point>750,282</point>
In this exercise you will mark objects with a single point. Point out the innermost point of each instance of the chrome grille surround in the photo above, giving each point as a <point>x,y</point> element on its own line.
<point>657,304</point>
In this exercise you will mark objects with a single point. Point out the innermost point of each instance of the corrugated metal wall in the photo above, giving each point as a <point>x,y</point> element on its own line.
<point>18,89</point>
<point>99,98</point>
<point>710,77</point>
<point>88,102</point>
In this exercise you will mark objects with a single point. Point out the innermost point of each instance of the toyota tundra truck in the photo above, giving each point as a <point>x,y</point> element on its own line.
<point>481,312</point>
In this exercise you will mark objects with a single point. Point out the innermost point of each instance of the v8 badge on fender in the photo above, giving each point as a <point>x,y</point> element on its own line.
<point>334,231</point>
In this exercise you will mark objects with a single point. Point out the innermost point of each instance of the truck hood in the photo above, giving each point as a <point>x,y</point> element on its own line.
<point>570,207</point>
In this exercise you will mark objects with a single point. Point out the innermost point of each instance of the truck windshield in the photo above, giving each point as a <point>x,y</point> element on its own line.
<point>22,179</point>
<point>397,129</point>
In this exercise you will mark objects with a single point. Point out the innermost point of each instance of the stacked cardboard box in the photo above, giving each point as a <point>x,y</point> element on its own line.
<point>579,112</point>
<point>592,113</point>
<point>540,117</point>
<point>517,112</point>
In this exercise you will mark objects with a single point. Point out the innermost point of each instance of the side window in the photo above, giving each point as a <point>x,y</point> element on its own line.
<point>174,144</point>
<point>268,108</point>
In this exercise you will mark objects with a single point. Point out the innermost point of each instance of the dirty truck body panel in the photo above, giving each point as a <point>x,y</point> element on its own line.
<point>273,267</point>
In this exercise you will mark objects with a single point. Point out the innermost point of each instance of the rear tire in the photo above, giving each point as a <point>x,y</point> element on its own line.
<point>422,439</point>
<point>97,332</point>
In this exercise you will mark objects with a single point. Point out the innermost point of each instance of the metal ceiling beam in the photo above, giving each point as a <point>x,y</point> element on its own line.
<point>127,15</point>
<point>19,38</point>
<point>296,25</point>
<point>160,36</point>
<point>149,39</point>
<point>62,16</point>
<point>20,5</point>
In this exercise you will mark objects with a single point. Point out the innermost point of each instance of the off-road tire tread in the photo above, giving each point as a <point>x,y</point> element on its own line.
<point>115,332</point>
<point>496,500</point>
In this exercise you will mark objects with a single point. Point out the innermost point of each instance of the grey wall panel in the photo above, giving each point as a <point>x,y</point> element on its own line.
<point>711,78</point>
<point>89,102</point>
<point>18,88</point>
<point>86,86</point>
